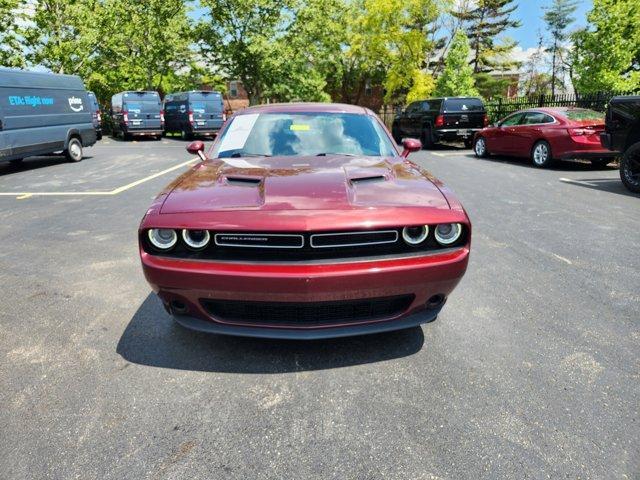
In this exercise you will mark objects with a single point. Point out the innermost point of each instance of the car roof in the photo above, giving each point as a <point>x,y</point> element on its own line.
<point>306,107</point>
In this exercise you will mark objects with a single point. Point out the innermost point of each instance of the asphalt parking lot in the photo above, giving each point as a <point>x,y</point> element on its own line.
<point>532,369</point>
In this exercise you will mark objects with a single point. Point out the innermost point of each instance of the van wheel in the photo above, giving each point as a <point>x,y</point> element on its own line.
<point>541,154</point>
<point>74,150</point>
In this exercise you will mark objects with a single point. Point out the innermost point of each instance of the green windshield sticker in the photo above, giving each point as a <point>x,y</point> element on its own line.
<point>300,128</point>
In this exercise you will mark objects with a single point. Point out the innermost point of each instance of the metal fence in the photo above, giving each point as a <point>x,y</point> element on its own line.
<point>501,107</point>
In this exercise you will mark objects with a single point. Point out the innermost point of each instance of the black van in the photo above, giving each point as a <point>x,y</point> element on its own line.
<point>96,115</point>
<point>43,113</point>
<point>441,119</point>
<point>137,113</point>
<point>194,113</point>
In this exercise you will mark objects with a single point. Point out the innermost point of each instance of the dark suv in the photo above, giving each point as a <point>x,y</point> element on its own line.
<point>441,119</point>
<point>622,134</point>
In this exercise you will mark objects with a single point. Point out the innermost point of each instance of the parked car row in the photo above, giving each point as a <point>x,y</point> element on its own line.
<point>541,134</point>
<point>142,113</point>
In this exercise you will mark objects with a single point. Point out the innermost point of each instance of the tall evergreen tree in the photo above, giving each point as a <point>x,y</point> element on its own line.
<point>457,79</point>
<point>484,21</point>
<point>558,17</point>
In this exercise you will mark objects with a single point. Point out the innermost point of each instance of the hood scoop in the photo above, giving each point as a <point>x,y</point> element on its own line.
<point>242,180</point>
<point>368,179</point>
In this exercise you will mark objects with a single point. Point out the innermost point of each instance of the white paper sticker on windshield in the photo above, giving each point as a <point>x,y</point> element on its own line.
<point>236,136</point>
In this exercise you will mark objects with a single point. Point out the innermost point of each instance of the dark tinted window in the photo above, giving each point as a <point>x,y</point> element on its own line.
<point>512,120</point>
<point>463,105</point>
<point>534,118</point>
<point>413,107</point>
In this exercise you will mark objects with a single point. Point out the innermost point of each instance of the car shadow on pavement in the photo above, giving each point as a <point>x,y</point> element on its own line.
<point>152,338</point>
<point>559,165</point>
<point>34,163</point>
<point>611,185</point>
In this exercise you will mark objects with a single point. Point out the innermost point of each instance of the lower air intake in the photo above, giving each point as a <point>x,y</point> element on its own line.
<point>307,313</point>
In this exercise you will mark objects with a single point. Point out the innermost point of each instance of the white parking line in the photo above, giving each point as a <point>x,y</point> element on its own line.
<point>115,191</point>
<point>578,182</point>
<point>438,154</point>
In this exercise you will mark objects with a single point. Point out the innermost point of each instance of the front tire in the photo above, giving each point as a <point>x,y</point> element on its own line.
<point>73,153</point>
<point>541,154</point>
<point>480,148</point>
<point>426,138</point>
<point>630,168</point>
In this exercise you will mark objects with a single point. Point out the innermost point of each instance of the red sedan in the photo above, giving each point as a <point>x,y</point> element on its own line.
<point>546,134</point>
<point>304,221</point>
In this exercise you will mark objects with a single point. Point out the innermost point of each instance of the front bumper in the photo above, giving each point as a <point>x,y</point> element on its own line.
<point>191,282</point>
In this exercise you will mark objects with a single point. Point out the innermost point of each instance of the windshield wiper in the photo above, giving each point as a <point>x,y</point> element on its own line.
<point>240,154</point>
<point>324,154</point>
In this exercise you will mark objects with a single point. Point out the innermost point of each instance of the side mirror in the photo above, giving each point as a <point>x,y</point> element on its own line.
<point>197,148</point>
<point>410,145</point>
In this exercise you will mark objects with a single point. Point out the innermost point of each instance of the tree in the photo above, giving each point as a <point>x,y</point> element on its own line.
<point>558,17</point>
<point>606,55</point>
<point>484,21</point>
<point>535,81</point>
<point>457,79</point>
<point>11,12</point>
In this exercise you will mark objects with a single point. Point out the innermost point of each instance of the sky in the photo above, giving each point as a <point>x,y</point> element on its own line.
<point>530,14</point>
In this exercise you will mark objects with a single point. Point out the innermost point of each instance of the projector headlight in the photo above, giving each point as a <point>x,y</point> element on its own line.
<point>448,233</point>
<point>415,235</point>
<point>162,238</point>
<point>196,239</point>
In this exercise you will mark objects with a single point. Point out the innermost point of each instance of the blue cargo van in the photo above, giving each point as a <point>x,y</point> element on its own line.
<point>43,113</point>
<point>137,113</point>
<point>194,113</point>
<point>96,115</point>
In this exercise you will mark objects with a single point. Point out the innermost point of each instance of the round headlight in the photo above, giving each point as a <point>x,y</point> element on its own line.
<point>162,238</point>
<point>448,233</point>
<point>196,239</point>
<point>415,235</point>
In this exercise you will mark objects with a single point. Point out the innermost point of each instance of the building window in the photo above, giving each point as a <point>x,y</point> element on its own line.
<point>233,89</point>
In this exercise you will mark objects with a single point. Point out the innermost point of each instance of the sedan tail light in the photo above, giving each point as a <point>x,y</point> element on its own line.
<point>579,132</point>
<point>439,121</point>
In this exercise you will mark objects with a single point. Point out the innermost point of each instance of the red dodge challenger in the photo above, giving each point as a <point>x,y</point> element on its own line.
<point>304,221</point>
<point>545,134</point>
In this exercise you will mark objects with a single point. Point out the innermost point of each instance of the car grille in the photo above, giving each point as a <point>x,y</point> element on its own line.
<point>307,313</point>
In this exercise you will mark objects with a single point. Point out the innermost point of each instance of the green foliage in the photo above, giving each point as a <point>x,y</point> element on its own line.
<point>422,86</point>
<point>11,13</point>
<point>457,79</point>
<point>484,22</point>
<point>606,56</point>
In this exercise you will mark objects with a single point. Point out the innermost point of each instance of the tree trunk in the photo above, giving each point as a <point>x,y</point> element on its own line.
<point>553,68</point>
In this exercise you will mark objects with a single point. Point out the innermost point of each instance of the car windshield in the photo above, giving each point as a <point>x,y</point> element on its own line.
<point>288,134</point>
<point>584,114</point>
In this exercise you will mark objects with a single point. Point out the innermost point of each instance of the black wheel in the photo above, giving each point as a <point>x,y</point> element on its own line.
<point>541,154</point>
<point>426,138</point>
<point>630,168</point>
<point>396,134</point>
<point>468,142</point>
<point>73,153</point>
<point>480,148</point>
<point>600,162</point>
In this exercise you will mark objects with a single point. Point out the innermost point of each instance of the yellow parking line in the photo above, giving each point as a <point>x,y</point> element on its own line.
<point>115,191</point>
<point>151,177</point>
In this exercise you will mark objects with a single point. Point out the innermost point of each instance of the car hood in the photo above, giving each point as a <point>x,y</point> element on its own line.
<point>302,183</point>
